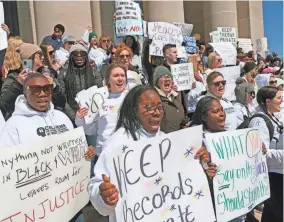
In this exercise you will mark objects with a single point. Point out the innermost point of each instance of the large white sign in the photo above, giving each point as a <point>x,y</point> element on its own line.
<point>183,75</point>
<point>45,180</point>
<point>228,34</point>
<point>128,19</point>
<point>186,29</point>
<point>3,34</point>
<point>227,52</point>
<point>230,74</point>
<point>245,44</point>
<point>261,45</point>
<point>214,36</point>
<point>155,181</point>
<point>241,181</point>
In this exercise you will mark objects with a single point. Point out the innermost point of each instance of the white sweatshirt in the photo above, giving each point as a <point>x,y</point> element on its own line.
<point>27,125</point>
<point>101,167</point>
<point>274,147</point>
<point>105,126</point>
<point>2,121</point>
<point>241,111</point>
<point>194,96</point>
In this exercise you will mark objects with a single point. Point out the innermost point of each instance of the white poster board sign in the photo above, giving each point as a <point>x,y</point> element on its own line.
<point>155,188</point>
<point>262,80</point>
<point>228,34</point>
<point>145,28</point>
<point>128,20</point>
<point>241,181</point>
<point>183,75</point>
<point>227,52</point>
<point>245,44</point>
<point>93,98</point>
<point>230,74</point>
<point>261,45</point>
<point>3,34</point>
<point>214,36</point>
<point>46,180</point>
<point>186,29</point>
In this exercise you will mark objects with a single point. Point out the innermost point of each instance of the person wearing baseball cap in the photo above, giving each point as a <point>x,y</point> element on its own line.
<point>63,53</point>
<point>56,38</point>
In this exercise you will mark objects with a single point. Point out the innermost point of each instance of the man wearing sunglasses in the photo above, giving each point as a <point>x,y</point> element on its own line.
<point>62,55</point>
<point>56,38</point>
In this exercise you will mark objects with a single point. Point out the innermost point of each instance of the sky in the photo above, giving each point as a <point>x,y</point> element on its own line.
<point>273,25</point>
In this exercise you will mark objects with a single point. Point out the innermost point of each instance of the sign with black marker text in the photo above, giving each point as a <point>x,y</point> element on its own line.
<point>183,75</point>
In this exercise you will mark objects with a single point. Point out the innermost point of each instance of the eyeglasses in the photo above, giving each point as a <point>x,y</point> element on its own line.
<point>70,43</point>
<point>124,56</point>
<point>166,77</point>
<point>272,82</point>
<point>51,52</point>
<point>106,40</point>
<point>36,90</point>
<point>219,83</point>
<point>151,108</point>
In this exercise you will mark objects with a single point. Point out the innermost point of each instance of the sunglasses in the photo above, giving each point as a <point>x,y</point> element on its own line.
<point>273,82</point>
<point>51,52</point>
<point>219,83</point>
<point>106,40</point>
<point>151,108</point>
<point>124,56</point>
<point>70,43</point>
<point>36,90</point>
<point>252,94</point>
<point>79,54</point>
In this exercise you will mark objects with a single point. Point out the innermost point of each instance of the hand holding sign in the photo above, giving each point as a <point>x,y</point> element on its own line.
<point>82,112</point>
<point>108,191</point>
<point>203,154</point>
<point>90,153</point>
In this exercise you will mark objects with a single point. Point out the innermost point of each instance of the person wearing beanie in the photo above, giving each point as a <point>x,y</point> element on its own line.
<point>76,76</point>
<point>13,84</point>
<point>56,38</point>
<point>245,95</point>
<point>63,53</point>
<point>174,116</point>
<point>93,40</point>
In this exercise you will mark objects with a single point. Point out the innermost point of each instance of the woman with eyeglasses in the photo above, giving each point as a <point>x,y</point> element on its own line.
<point>32,61</point>
<point>115,80</point>
<point>245,94</point>
<point>124,56</point>
<point>134,45</point>
<point>216,88</point>
<point>142,121</point>
<point>174,116</point>
<point>77,76</point>
<point>269,99</point>
<point>99,55</point>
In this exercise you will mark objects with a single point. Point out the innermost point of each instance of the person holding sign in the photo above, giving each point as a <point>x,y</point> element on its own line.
<point>269,99</point>
<point>115,80</point>
<point>141,122</point>
<point>216,89</point>
<point>174,117</point>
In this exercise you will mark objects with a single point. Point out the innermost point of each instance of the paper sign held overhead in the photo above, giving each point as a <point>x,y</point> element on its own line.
<point>46,180</point>
<point>183,75</point>
<point>227,52</point>
<point>241,181</point>
<point>245,44</point>
<point>128,18</point>
<point>261,45</point>
<point>186,29</point>
<point>155,188</point>
<point>228,34</point>
<point>215,37</point>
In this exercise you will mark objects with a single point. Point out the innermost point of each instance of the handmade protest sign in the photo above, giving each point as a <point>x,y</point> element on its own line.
<point>183,75</point>
<point>230,74</point>
<point>93,98</point>
<point>227,52</point>
<point>227,34</point>
<point>186,29</point>
<point>160,180</point>
<point>128,20</point>
<point>45,180</point>
<point>3,34</point>
<point>261,45</point>
<point>214,36</point>
<point>241,181</point>
<point>245,44</point>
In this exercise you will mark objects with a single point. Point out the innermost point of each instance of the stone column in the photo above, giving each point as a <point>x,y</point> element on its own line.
<point>219,14</point>
<point>163,11</point>
<point>107,9</point>
<point>96,17</point>
<point>250,20</point>
<point>74,16</point>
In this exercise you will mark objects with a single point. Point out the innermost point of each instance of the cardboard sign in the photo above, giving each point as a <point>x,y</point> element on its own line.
<point>183,75</point>
<point>261,45</point>
<point>241,181</point>
<point>3,34</point>
<point>228,34</point>
<point>186,29</point>
<point>227,52</point>
<point>152,188</point>
<point>230,74</point>
<point>46,180</point>
<point>93,98</point>
<point>245,44</point>
<point>128,19</point>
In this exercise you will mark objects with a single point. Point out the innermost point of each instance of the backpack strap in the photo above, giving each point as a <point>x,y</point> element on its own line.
<point>268,123</point>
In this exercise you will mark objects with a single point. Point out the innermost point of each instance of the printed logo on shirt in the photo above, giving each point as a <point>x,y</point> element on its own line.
<point>111,109</point>
<point>229,110</point>
<point>51,130</point>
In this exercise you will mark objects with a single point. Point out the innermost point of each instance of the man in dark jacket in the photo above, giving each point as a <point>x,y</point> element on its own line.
<point>56,38</point>
<point>76,76</point>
